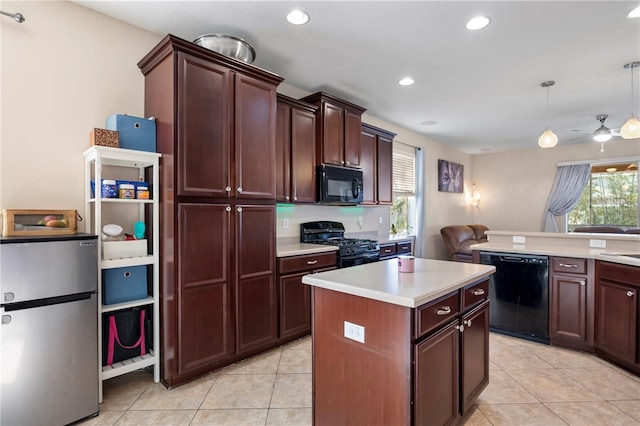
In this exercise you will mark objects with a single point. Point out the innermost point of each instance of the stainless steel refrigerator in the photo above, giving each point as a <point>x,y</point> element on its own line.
<point>48,332</point>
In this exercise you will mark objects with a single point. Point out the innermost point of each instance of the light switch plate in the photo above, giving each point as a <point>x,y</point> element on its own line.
<point>285,223</point>
<point>518,239</point>
<point>598,243</point>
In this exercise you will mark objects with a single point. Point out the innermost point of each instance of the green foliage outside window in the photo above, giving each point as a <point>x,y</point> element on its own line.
<point>608,199</point>
<point>400,215</point>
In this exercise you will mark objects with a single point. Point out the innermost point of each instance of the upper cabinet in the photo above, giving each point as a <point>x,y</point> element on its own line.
<point>295,151</point>
<point>338,130</point>
<point>377,156</point>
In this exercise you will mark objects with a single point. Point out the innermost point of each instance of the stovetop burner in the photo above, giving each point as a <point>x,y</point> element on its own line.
<point>352,251</point>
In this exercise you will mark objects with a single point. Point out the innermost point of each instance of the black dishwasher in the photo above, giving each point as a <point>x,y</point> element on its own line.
<point>519,294</point>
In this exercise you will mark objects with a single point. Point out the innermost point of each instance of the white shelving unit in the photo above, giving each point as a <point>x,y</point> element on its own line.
<point>96,158</point>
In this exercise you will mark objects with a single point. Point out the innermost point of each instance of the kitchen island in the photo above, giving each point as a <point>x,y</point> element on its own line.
<point>399,348</point>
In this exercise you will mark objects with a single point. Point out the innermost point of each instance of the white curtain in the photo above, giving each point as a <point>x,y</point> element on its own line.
<point>420,243</point>
<point>565,193</point>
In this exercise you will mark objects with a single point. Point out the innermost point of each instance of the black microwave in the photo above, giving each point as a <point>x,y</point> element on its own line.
<point>338,185</point>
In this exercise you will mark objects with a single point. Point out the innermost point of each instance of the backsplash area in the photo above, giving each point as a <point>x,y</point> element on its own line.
<point>358,220</point>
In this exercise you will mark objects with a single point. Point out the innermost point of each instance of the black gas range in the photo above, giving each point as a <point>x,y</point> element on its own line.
<point>351,251</point>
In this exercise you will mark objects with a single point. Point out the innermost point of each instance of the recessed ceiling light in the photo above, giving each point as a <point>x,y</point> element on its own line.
<point>407,81</point>
<point>478,23</point>
<point>297,17</point>
<point>635,13</point>
<point>429,123</point>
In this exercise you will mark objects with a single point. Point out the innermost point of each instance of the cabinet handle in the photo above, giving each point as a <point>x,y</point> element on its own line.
<point>239,189</point>
<point>228,189</point>
<point>312,262</point>
<point>341,162</point>
<point>583,282</point>
<point>295,198</point>
<point>630,293</point>
<point>568,265</point>
<point>467,323</point>
<point>444,311</point>
<point>460,327</point>
<point>387,250</point>
<point>348,163</point>
<point>286,198</point>
<point>228,208</point>
<point>478,292</point>
<point>239,209</point>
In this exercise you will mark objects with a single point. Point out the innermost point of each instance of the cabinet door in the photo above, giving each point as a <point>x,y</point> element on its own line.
<point>368,163</point>
<point>474,350</point>
<point>283,152</point>
<point>303,158</point>
<point>204,113</point>
<point>255,271</point>
<point>205,325</point>
<point>295,305</point>
<point>384,167</point>
<point>332,134</point>
<point>436,388</point>
<point>255,138</point>
<point>568,310</point>
<point>352,127</point>
<point>617,320</point>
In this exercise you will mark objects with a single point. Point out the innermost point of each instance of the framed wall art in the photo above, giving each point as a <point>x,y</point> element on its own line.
<point>450,176</point>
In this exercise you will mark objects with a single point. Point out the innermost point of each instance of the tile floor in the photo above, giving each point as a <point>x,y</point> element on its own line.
<point>530,384</point>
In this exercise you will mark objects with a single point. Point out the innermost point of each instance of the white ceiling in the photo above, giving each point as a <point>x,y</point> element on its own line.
<point>482,87</point>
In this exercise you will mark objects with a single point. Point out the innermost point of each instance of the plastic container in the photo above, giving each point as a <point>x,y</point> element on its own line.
<point>406,263</point>
<point>142,192</point>
<point>109,189</point>
<point>127,190</point>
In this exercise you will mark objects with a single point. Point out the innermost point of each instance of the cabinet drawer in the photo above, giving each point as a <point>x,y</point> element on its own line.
<point>387,249</point>
<point>307,262</point>
<point>569,265</point>
<point>402,248</point>
<point>436,313</point>
<point>475,294</point>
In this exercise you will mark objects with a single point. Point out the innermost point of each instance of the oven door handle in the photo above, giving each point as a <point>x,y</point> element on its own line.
<point>355,190</point>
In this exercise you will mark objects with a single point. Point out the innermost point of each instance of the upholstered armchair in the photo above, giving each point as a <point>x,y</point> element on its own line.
<point>459,238</point>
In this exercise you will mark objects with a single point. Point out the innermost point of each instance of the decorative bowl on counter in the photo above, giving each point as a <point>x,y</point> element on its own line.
<point>228,45</point>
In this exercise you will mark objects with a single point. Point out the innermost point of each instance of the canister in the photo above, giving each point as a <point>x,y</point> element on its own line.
<point>109,189</point>
<point>406,263</point>
<point>126,190</point>
<point>142,192</point>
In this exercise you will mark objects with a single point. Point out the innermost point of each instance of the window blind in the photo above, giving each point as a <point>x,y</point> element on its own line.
<point>404,172</point>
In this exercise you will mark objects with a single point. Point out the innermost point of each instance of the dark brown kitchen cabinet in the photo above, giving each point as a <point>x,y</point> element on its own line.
<point>216,128</point>
<point>295,151</point>
<point>474,359</point>
<point>377,156</point>
<point>395,249</point>
<point>572,303</point>
<point>617,318</point>
<point>338,130</point>
<point>294,296</point>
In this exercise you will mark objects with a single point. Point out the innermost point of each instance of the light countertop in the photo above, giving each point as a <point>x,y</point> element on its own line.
<point>382,281</point>
<point>288,248</point>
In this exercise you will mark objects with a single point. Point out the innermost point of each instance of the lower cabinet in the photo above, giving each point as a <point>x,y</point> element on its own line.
<point>572,303</point>
<point>294,296</point>
<point>452,362</point>
<point>395,249</point>
<point>618,319</point>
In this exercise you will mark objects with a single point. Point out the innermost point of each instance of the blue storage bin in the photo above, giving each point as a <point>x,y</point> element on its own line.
<point>135,132</point>
<point>124,284</point>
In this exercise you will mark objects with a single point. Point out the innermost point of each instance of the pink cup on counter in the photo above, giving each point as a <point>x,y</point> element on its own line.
<point>406,263</point>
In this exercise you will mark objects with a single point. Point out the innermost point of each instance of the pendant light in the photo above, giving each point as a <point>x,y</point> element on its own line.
<point>631,129</point>
<point>547,139</point>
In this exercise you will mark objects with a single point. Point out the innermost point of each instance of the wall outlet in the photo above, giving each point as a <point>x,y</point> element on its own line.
<point>380,220</point>
<point>518,239</point>
<point>285,223</point>
<point>354,332</point>
<point>598,243</point>
<point>360,222</point>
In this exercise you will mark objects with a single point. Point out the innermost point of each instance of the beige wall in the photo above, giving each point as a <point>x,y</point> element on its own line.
<point>515,185</point>
<point>67,68</point>
<point>63,71</point>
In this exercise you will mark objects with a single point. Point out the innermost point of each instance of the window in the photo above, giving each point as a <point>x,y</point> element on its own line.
<point>609,198</point>
<point>403,209</point>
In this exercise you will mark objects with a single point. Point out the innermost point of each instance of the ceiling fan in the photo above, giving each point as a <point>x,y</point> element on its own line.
<point>603,133</point>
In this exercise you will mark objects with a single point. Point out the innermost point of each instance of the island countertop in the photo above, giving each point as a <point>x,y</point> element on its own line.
<point>383,282</point>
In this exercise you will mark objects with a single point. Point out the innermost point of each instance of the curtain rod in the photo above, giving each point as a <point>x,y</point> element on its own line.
<point>634,158</point>
<point>406,144</point>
